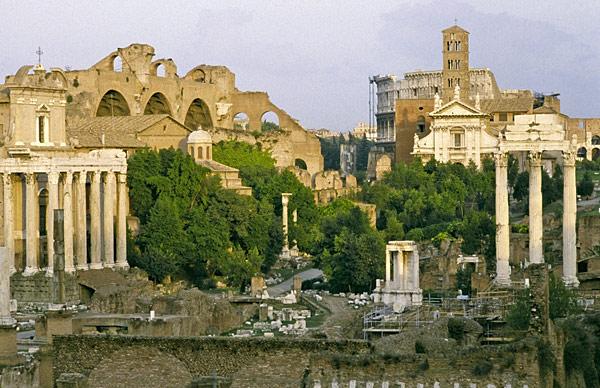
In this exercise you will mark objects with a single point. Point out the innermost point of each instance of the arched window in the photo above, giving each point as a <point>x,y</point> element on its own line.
<point>421,124</point>
<point>192,154</point>
<point>300,164</point>
<point>596,140</point>
<point>200,153</point>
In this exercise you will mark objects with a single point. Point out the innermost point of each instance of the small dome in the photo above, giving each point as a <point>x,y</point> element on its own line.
<point>199,136</point>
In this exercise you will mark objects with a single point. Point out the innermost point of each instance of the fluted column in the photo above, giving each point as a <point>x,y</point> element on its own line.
<point>81,252</point>
<point>108,222</point>
<point>122,222</point>
<point>52,204</point>
<point>68,226</point>
<point>9,239</point>
<point>536,227</point>
<point>388,267</point>
<point>502,222</point>
<point>415,269</point>
<point>569,221</point>
<point>31,226</point>
<point>95,231</point>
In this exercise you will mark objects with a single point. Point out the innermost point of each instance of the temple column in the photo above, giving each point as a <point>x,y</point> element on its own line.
<point>8,325</point>
<point>122,222</point>
<point>81,252</point>
<point>536,227</point>
<point>95,231</point>
<point>415,269</point>
<point>9,239</point>
<point>285,199</point>
<point>31,225</point>
<point>569,221</point>
<point>52,204</point>
<point>502,222</point>
<point>387,267</point>
<point>108,219</point>
<point>68,221</point>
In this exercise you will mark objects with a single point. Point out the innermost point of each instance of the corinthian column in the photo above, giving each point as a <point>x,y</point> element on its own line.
<point>285,199</point>
<point>68,226</point>
<point>108,224</point>
<point>31,226</point>
<point>536,227</point>
<point>52,204</point>
<point>569,220</point>
<point>95,231</point>
<point>502,224</point>
<point>9,240</point>
<point>122,222</point>
<point>81,252</point>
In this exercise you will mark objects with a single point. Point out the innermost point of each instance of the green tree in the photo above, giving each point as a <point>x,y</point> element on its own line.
<point>585,187</point>
<point>519,316</point>
<point>562,301</point>
<point>521,187</point>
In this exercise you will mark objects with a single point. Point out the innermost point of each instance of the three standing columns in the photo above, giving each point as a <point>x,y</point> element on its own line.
<point>502,221</point>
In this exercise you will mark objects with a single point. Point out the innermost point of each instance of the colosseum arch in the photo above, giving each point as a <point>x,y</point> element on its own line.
<point>595,153</point>
<point>269,121</point>
<point>113,104</point>
<point>198,115</point>
<point>157,105</point>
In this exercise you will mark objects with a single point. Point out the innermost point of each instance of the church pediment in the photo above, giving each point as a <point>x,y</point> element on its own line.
<point>457,108</point>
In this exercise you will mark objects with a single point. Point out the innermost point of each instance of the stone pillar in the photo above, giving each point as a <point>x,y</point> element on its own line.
<point>31,225</point>
<point>285,199</point>
<point>388,266</point>
<point>95,231</point>
<point>536,227</point>
<point>569,221</point>
<point>81,253</point>
<point>9,239</point>
<point>8,332</point>
<point>502,222</point>
<point>122,222</point>
<point>108,222</point>
<point>52,204</point>
<point>415,270</point>
<point>68,214</point>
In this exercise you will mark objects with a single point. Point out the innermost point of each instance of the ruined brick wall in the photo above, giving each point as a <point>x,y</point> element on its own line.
<point>249,362</point>
<point>40,288</point>
<point>257,362</point>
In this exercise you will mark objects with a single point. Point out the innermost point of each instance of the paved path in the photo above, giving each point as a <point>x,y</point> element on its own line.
<point>286,285</point>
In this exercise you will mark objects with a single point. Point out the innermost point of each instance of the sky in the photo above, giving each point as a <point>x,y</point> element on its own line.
<point>314,58</point>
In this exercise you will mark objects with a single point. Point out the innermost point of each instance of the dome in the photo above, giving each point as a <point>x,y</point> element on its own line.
<point>199,136</point>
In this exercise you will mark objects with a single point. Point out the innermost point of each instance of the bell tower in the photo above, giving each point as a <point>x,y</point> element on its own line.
<point>455,64</point>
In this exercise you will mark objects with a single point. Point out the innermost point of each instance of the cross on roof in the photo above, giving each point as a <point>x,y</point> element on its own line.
<point>455,21</point>
<point>39,53</point>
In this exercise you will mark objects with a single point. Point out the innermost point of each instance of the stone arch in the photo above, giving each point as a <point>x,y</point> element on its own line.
<point>582,152</point>
<point>198,115</point>
<point>157,104</point>
<point>196,74</point>
<point>269,121</point>
<point>595,153</point>
<point>595,140</point>
<point>300,164</point>
<point>113,104</point>
<point>140,366</point>
<point>241,121</point>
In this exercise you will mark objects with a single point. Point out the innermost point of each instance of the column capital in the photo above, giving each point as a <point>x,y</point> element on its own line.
<point>569,158</point>
<point>501,159</point>
<point>122,177</point>
<point>30,178</point>
<point>535,159</point>
<point>68,177</point>
<point>6,178</point>
<point>109,177</point>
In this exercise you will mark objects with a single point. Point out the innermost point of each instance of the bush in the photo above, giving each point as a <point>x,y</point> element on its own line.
<point>456,328</point>
<point>420,347</point>
<point>545,355</point>
<point>482,368</point>
<point>519,316</point>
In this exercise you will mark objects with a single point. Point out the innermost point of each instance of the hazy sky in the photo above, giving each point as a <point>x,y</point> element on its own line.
<point>314,57</point>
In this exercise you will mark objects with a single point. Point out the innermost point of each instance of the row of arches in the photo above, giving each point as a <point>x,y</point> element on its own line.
<point>583,152</point>
<point>269,121</point>
<point>114,104</point>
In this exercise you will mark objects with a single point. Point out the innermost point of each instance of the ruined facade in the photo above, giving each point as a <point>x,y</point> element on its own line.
<point>131,82</point>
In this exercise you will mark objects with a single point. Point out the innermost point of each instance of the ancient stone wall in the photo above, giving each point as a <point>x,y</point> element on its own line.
<point>27,374</point>
<point>41,288</point>
<point>256,362</point>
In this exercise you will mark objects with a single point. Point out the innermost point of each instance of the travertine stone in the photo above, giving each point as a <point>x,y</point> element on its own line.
<point>122,222</point>
<point>81,254</point>
<point>31,225</point>
<point>95,231</point>
<point>9,241</point>
<point>108,224</point>
<point>285,199</point>
<point>502,222</point>
<point>569,220</point>
<point>68,208</point>
<point>52,204</point>
<point>536,227</point>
